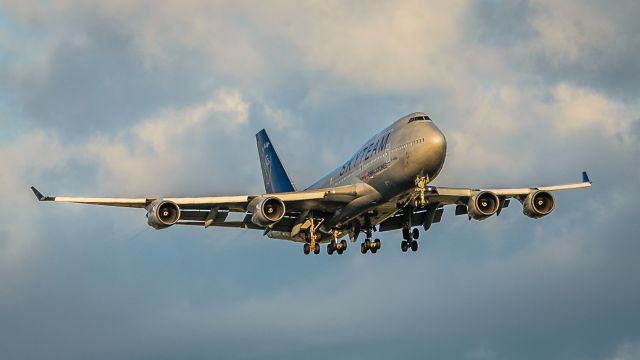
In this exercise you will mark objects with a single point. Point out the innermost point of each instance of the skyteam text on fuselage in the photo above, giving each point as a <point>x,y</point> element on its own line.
<point>384,186</point>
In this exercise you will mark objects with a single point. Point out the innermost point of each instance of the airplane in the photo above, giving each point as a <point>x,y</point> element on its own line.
<point>385,185</point>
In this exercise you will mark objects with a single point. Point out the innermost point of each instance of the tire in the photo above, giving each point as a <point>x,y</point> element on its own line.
<point>306,249</point>
<point>329,249</point>
<point>340,251</point>
<point>416,233</point>
<point>406,234</point>
<point>374,250</point>
<point>377,244</point>
<point>363,249</point>
<point>404,246</point>
<point>317,249</point>
<point>414,246</point>
<point>344,245</point>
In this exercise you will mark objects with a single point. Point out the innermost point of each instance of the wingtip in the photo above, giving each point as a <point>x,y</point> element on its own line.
<point>585,177</point>
<point>37,193</point>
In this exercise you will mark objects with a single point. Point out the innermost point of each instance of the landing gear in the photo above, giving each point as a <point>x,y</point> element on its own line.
<point>406,245</point>
<point>307,249</point>
<point>311,237</point>
<point>421,183</point>
<point>408,234</point>
<point>369,245</point>
<point>336,246</point>
<point>355,231</point>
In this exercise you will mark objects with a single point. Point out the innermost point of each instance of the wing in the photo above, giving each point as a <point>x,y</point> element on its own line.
<point>447,195</point>
<point>438,197</point>
<point>321,199</point>
<point>213,211</point>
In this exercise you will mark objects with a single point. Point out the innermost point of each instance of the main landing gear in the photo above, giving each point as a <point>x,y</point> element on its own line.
<point>369,245</point>
<point>311,237</point>
<point>410,238</point>
<point>307,249</point>
<point>336,246</point>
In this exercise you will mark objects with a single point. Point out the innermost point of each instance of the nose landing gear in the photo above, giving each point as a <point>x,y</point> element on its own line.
<point>421,183</point>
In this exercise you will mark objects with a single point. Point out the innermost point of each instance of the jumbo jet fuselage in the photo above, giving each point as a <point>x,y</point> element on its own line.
<point>391,160</point>
<point>385,168</point>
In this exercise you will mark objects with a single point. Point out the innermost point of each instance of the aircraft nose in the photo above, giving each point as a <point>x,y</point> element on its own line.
<point>437,140</point>
<point>435,149</point>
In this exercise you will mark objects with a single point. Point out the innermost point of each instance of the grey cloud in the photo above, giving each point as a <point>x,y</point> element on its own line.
<point>102,82</point>
<point>613,70</point>
<point>610,67</point>
<point>499,22</point>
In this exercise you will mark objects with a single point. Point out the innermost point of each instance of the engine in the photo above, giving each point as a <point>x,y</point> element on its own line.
<point>482,205</point>
<point>267,210</point>
<point>538,204</point>
<point>162,214</point>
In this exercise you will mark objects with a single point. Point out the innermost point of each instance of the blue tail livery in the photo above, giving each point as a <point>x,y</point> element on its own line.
<point>276,179</point>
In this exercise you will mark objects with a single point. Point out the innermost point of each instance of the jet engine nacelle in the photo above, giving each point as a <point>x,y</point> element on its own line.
<point>538,204</point>
<point>267,210</point>
<point>482,205</point>
<point>162,214</point>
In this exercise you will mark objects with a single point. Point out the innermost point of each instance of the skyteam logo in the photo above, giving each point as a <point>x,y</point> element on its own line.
<point>266,154</point>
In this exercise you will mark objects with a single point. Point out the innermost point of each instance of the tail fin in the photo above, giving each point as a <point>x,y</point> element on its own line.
<point>275,176</point>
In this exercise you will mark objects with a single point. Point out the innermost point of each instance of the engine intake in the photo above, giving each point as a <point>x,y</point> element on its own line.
<point>267,210</point>
<point>482,205</point>
<point>538,204</point>
<point>162,214</point>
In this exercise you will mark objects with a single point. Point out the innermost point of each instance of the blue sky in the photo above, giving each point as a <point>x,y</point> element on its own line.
<point>164,98</point>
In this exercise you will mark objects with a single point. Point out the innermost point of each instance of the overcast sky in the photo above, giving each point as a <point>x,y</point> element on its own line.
<point>153,98</point>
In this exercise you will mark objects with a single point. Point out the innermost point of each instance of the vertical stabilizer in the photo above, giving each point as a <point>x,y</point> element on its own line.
<point>275,176</point>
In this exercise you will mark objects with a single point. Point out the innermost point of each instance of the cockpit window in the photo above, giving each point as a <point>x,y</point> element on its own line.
<point>417,118</point>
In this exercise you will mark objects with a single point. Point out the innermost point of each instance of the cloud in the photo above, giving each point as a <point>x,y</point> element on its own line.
<point>82,83</point>
<point>164,97</point>
<point>588,43</point>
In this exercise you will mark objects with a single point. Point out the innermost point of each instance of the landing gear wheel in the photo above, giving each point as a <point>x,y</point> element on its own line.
<point>406,234</point>
<point>317,249</point>
<point>339,251</point>
<point>377,244</point>
<point>307,249</point>
<point>363,248</point>
<point>404,246</point>
<point>374,250</point>
<point>330,249</point>
<point>414,246</point>
<point>343,246</point>
<point>416,233</point>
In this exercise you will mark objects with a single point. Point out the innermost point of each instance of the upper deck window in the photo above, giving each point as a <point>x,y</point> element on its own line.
<point>417,118</point>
